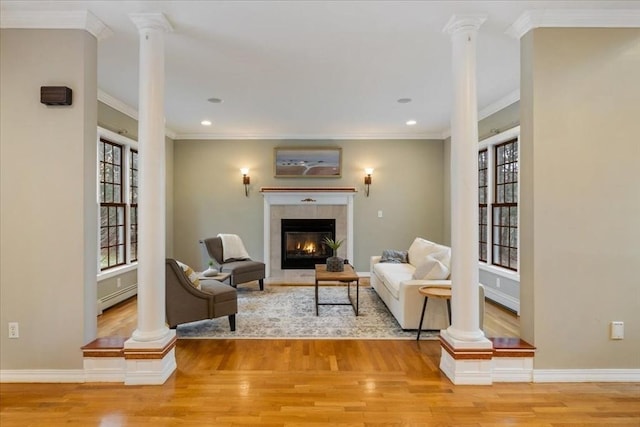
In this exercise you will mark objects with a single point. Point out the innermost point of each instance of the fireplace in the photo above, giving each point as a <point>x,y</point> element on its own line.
<point>303,242</point>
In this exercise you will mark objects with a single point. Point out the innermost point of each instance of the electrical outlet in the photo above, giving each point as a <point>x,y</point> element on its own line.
<point>617,330</point>
<point>497,282</point>
<point>379,214</point>
<point>14,332</point>
<point>118,282</point>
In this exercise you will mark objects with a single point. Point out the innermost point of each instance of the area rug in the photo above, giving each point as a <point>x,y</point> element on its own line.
<point>289,312</point>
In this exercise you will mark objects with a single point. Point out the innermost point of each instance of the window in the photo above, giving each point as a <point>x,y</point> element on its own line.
<point>118,196</point>
<point>498,200</point>
<point>133,200</point>
<point>505,206</point>
<point>112,206</point>
<point>483,167</point>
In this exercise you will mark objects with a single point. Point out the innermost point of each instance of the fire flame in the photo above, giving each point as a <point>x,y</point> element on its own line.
<point>309,247</point>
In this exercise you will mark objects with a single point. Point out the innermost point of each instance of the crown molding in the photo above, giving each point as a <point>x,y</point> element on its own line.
<point>490,109</point>
<point>56,20</point>
<point>252,136</point>
<point>500,104</point>
<point>574,18</point>
<point>126,109</point>
<point>116,104</point>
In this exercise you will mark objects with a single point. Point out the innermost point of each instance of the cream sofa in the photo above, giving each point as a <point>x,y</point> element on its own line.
<point>397,286</point>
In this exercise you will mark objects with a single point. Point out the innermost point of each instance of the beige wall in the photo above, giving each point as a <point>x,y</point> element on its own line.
<point>48,225</point>
<point>209,197</point>
<point>115,121</point>
<point>580,198</point>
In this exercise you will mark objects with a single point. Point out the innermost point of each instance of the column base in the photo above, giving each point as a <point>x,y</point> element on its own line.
<point>103,360</point>
<point>465,362</point>
<point>512,360</point>
<point>150,362</point>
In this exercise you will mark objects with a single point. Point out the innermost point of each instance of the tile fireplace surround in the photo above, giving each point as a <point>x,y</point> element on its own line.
<point>304,202</point>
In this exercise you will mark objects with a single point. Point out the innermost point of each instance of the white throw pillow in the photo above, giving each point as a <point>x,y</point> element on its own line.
<point>192,275</point>
<point>434,266</point>
<point>419,249</point>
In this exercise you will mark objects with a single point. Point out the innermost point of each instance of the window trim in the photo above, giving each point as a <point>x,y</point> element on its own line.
<point>489,143</point>
<point>128,145</point>
<point>484,205</point>
<point>120,206</point>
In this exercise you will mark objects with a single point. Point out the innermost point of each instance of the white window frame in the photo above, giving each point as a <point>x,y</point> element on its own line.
<point>489,144</point>
<point>127,145</point>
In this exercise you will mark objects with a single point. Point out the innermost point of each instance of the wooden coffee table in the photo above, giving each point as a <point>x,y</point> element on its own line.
<point>347,276</point>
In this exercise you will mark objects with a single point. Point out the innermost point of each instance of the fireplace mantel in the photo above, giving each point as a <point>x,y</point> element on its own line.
<point>306,196</point>
<point>308,189</point>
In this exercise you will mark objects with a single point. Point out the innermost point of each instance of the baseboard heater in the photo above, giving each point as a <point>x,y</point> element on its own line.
<point>503,299</point>
<point>116,297</point>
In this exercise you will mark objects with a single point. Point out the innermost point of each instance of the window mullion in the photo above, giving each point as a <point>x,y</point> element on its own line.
<point>490,201</point>
<point>127,199</point>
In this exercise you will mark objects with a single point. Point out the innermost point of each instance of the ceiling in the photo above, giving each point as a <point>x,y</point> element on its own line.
<point>310,69</point>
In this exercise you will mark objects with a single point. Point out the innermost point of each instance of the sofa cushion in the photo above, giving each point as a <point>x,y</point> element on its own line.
<point>395,256</point>
<point>219,290</point>
<point>244,266</point>
<point>419,249</point>
<point>392,274</point>
<point>434,266</point>
<point>192,275</point>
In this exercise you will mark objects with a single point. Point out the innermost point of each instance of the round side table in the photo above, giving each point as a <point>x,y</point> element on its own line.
<point>434,292</point>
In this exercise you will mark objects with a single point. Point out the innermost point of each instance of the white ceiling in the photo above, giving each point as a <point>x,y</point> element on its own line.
<point>310,69</point>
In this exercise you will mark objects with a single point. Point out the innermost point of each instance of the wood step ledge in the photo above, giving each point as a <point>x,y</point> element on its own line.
<point>466,353</point>
<point>502,347</point>
<point>114,347</point>
<point>105,347</point>
<point>511,347</point>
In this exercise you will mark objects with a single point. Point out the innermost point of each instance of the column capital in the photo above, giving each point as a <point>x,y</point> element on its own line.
<point>458,23</point>
<point>151,21</point>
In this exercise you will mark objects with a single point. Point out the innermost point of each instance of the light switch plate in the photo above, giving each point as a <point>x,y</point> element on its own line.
<point>617,330</point>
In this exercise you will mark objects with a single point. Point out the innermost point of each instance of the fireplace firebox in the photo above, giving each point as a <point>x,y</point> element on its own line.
<point>303,242</point>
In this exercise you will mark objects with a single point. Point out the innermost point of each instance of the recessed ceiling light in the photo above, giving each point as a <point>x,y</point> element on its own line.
<point>215,100</point>
<point>206,123</point>
<point>411,122</point>
<point>404,100</point>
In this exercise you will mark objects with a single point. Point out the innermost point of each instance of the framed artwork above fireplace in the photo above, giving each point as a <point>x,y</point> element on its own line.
<point>307,162</point>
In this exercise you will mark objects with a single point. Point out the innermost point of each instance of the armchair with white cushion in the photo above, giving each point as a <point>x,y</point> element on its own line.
<point>230,256</point>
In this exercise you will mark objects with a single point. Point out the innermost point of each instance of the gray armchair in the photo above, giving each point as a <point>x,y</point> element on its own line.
<point>184,303</point>
<point>242,271</point>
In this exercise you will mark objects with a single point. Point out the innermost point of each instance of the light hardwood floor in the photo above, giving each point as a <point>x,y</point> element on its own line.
<point>314,382</point>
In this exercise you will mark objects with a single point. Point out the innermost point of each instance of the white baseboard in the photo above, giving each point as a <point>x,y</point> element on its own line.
<point>502,298</point>
<point>539,376</point>
<point>585,375</point>
<point>42,376</point>
<point>116,297</point>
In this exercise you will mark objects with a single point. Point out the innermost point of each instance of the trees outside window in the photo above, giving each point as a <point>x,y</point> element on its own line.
<point>483,165</point>
<point>505,206</point>
<point>118,194</point>
<point>112,205</point>
<point>498,203</point>
<point>133,200</point>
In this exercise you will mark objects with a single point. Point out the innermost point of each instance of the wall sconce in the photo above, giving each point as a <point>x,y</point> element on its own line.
<point>367,180</point>
<point>246,180</point>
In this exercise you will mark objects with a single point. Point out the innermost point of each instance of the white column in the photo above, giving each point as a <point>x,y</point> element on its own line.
<point>151,333</point>
<point>464,331</point>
